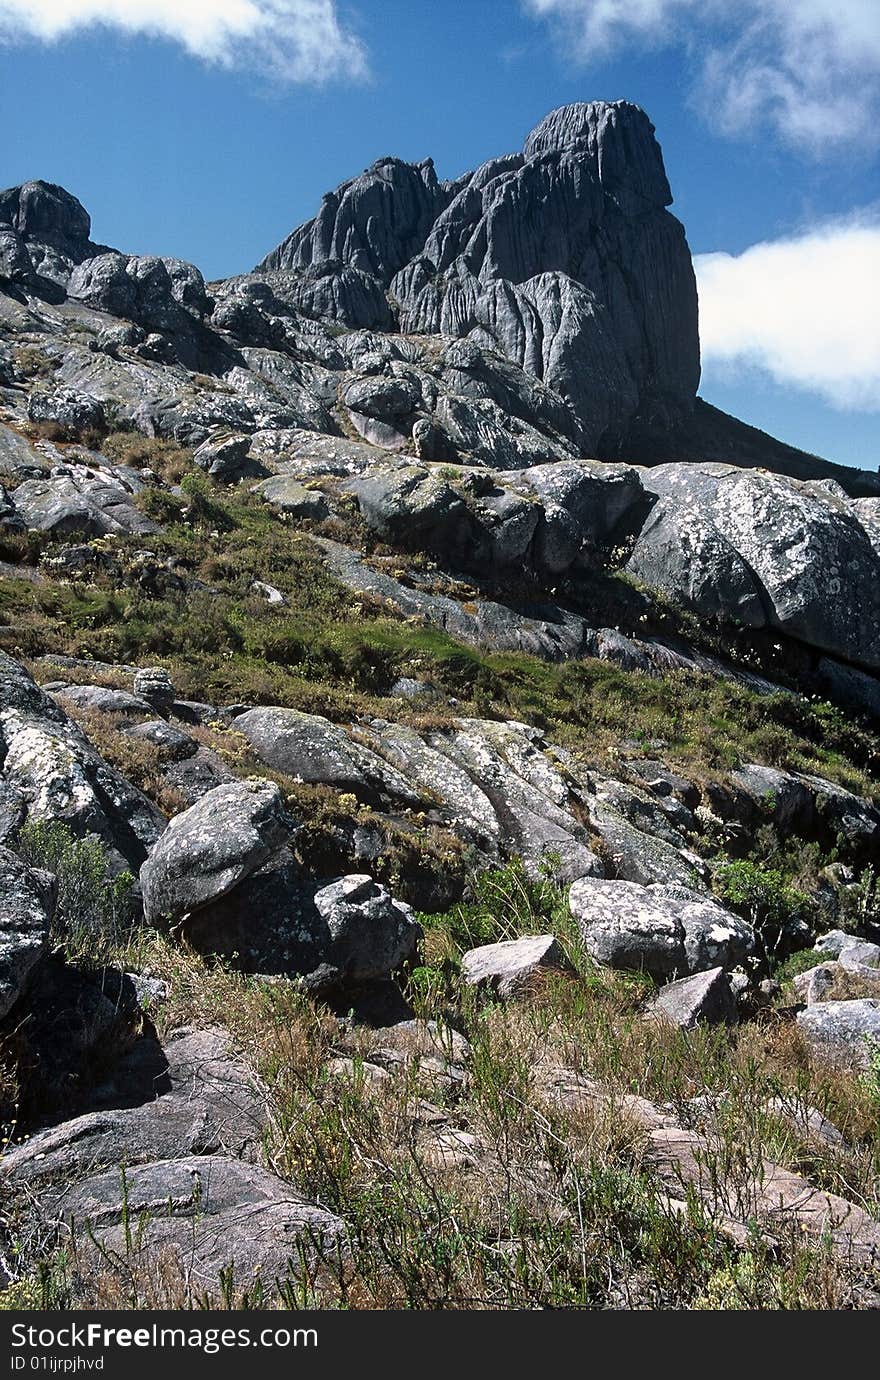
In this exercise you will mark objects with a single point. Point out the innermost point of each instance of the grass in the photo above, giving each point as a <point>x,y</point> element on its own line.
<point>552,1205</point>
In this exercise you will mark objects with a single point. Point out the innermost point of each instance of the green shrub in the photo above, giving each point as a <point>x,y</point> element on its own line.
<point>778,912</point>
<point>93,915</point>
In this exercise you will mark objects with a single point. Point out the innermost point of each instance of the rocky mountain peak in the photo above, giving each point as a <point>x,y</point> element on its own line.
<point>562,258</point>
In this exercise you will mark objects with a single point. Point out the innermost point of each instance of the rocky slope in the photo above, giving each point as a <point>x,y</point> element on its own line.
<point>332,597</point>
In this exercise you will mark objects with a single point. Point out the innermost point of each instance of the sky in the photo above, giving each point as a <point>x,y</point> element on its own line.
<point>208,129</point>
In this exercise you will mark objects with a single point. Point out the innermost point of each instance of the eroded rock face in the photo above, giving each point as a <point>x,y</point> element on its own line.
<point>182,1158</point>
<point>524,255</point>
<point>666,931</point>
<point>46,232</point>
<point>27,902</point>
<point>52,770</point>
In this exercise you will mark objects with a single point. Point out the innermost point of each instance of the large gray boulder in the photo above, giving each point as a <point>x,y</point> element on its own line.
<point>665,931</point>
<point>27,901</point>
<point>370,933</point>
<point>68,408</point>
<point>842,1032</point>
<point>344,932</point>
<point>817,573</point>
<point>681,553</point>
<point>311,749</point>
<point>50,767</point>
<point>163,295</point>
<point>210,848</point>
<point>88,505</point>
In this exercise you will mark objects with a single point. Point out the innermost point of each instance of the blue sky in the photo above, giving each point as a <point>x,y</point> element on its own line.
<point>209,128</point>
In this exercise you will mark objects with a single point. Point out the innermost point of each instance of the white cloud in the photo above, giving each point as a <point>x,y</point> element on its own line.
<point>804,310</point>
<point>291,40</point>
<point>809,68</point>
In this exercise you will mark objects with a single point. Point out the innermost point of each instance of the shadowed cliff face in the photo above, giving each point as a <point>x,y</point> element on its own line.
<point>562,257</point>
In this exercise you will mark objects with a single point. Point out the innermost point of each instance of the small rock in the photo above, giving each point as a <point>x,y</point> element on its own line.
<point>154,685</point>
<point>272,595</point>
<point>150,991</point>
<point>511,967</point>
<point>703,998</point>
<point>807,1121</point>
<point>172,741</point>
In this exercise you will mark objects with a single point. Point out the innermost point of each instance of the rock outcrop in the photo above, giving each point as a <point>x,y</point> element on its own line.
<point>563,258</point>
<point>665,931</point>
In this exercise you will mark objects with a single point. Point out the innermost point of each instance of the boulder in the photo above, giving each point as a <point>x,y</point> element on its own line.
<point>27,903</point>
<point>291,497</point>
<point>832,943</point>
<point>370,934</point>
<point>705,998</point>
<point>859,955</point>
<point>93,507</point>
<point>18,459</point>
<point>309,748</point>
<point>842,1032</point>
<point>154,685</point>
<point>816,984</point>
<point>813,561</point>
<point>48,764</point>
<point>512,967</point>
<point>665,931</point>
<point>683,555</point>
<point>344,932</point>
<point>225,458</point>
<point>102,699</point>
<point>171,741</point>
<point>210,848</point>
<point>70,409</point>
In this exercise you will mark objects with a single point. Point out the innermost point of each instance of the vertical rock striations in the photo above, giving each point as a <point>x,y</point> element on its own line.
<point>563,258</point>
